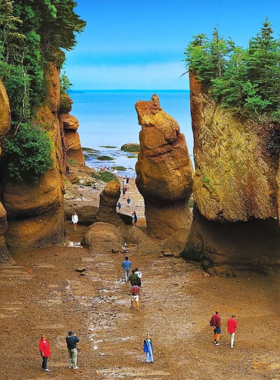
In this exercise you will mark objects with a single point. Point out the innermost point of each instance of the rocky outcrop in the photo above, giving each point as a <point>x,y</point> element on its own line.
<point>235,162</point>
<point>35,211</point>
<point>102,238</point>
<point>235,190</point>
<point>145,245</point>
<point>164,171</point>
<point>72,144</point>
<point>5,125</point>
<point>108,205</point>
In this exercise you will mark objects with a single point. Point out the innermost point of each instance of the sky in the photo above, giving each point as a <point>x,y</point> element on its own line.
<point>140,44</point>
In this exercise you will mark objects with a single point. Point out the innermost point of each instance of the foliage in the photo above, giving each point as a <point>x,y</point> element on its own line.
<point>65,83</point>
<point>244,80</point>
<point>105,176</point>
<point>71,162</point>
<point>27,156</point>
<point>33,33</point>
<point>132,148</point>
<point>65,103</point>
<point>105,158</point>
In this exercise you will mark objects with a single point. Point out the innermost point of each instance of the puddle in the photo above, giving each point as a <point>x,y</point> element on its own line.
<point>73,244</point>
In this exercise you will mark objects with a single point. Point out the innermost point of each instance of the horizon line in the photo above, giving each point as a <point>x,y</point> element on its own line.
<point>129,89</point>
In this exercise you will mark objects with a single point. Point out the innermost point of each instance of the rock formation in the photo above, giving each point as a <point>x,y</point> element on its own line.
<point>73,144</point>
<point>5,125</point>
<point>164,171</point>
<point>107,206</point>
<point>35,211</point>
<point>236,180</point>
<point>102,238</point>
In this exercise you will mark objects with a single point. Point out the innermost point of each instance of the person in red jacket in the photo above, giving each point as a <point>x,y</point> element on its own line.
<point>215,322</point>
<point>232,325</point>
<point>44,348</point>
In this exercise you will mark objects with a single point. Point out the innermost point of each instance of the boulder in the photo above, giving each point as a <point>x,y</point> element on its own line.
<point>74,151</point>
<point>145,245</point>
<point>102,238</point>
<point>164,171</point>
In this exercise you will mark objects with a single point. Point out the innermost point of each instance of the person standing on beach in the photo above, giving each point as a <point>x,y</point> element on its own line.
<point>134,279</point>
<point>232,325</point>
<point>71,341</point>
<point>75,220</point>
<point>148,349</point>
<point>135,291</point>
<point>44,348</point>
<point>215,322</point>
<point>134,219</point>
<point>128,200</point>
<point>119,206</point>
<point>126,264</point>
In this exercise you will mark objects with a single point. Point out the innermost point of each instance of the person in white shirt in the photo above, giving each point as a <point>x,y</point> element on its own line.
<point>75,220</point>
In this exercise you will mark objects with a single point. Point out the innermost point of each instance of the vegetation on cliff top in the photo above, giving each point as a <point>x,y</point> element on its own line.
<point>32,33</point>
<point>246,81</point>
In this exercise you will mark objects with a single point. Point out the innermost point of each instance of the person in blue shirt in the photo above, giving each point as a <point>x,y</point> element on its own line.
<point>148,349</point>
<point>126,264</point>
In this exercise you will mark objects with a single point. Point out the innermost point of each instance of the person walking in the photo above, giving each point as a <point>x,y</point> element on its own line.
<point>134,279</point>
<point>75,220</point>
<point>44,348</point>
<point>135,291</point>
<point>232,325</point>
<point>71,341</point>
<point>215,322</point>
<point>126,264</point>
<point>139,274</point>
<point>119,206</point>
<point>148,349</point>
<point>134,218</point>
<point>128,200</point>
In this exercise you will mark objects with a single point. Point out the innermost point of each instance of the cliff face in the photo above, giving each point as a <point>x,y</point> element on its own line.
<point>236,168</point>
<point>164,171</point>
<point>5,125</point>
<point>235,190</point>
<point>35,211</point>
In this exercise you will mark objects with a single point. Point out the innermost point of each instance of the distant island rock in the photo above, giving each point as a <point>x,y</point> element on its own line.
<point>132,147</point>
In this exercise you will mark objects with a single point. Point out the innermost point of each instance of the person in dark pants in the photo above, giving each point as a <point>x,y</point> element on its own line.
<point>215,322</point>
<point>44,348</point>
<point>71,341</point>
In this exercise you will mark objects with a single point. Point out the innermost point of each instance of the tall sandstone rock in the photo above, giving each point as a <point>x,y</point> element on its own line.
<point>164,171</point>
<point>5,125</point>
<point>35,211</point>
<point>236,180</point>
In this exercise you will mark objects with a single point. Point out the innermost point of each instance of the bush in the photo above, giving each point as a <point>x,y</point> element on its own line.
<point>65,103</point>
<point>27,155</point>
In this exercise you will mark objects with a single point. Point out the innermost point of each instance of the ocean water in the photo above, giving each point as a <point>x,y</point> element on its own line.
<point>108,118</point>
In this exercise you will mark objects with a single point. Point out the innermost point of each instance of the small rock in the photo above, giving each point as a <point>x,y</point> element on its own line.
<point>80,269</point>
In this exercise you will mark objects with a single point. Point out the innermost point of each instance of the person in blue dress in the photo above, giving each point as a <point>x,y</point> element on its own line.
<point>148,349</point>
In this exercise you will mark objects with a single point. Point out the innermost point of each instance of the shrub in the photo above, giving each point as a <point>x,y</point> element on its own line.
<point>27,155</point>
<point>65,103</point>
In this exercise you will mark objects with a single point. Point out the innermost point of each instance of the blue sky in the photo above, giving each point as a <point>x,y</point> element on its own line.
<point>139,44</point>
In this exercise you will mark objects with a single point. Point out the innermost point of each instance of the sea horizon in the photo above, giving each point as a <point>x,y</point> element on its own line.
<point>108,118</point>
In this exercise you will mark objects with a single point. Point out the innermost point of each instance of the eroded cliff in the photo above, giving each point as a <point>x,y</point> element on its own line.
<point>235,189</point>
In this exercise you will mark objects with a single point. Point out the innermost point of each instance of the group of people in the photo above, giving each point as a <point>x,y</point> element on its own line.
<point>135,281</point>
<point>215,323</point>
<point>45,352</point>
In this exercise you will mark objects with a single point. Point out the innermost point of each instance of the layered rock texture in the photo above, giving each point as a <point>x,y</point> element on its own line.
<point>108,204</point>
<point>35,211</point>
<point>72,144</point>
<point>235,188</point>
<point>164,171</point>
<point>5,125</point>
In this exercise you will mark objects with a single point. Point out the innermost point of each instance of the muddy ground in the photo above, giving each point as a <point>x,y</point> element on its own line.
<point>42,293</point>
